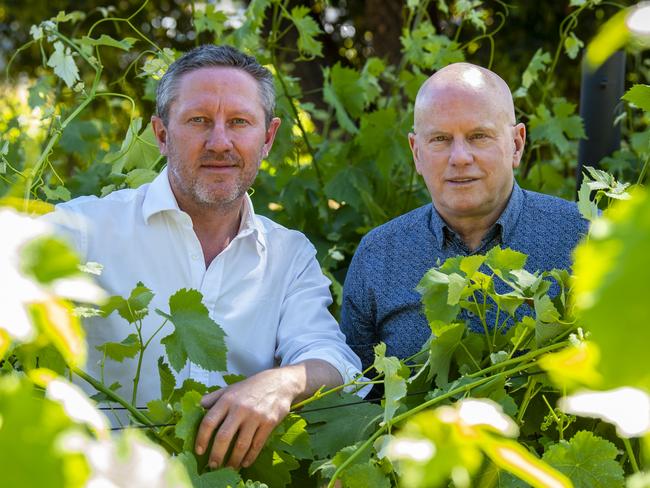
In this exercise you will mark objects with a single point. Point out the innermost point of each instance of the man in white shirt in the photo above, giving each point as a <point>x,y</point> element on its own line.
<point>194,227</point>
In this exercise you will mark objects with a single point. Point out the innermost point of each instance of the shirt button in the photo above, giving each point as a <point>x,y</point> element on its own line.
<point>195,257</point>
<point>470,314</point>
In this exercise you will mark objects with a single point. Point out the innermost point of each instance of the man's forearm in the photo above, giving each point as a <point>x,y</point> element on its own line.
<point>313,374</point>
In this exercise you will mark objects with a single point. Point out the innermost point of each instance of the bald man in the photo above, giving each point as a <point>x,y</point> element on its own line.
<point>466,144</point>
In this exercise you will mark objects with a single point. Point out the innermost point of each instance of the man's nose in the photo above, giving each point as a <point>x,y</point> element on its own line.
<point>218,138</point>
<point>460,152</point>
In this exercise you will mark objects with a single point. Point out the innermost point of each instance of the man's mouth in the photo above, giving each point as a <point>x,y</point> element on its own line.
<point>462,181</point>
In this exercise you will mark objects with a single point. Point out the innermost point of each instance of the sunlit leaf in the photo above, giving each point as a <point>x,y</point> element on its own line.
<point>639,95</point>
<point>196,336</point>
<point>64,65</point>
<point>587,460</point>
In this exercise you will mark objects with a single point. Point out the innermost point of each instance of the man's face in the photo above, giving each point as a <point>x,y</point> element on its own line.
<point>465,148</point>
<point>215,137</point>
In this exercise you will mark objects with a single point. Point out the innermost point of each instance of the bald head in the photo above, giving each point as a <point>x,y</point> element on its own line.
<point>468,78</point>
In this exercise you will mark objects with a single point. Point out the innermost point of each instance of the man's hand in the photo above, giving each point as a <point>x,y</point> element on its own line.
<point>248,411</point>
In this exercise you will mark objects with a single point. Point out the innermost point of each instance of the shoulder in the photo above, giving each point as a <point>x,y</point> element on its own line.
<point>283,238</point>
<point>549,210</point>
<point>97,207</point>
<point>402,229</point>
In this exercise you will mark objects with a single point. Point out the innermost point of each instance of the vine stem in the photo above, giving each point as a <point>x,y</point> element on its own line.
<point>137,415</point>
<point>630,454</point>
<point>399,418</point>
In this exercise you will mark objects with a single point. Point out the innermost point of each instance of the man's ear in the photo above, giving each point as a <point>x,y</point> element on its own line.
<point>416,151</point>
<point>269,136</point>
<point>519,139</point>
<point>160,131</point>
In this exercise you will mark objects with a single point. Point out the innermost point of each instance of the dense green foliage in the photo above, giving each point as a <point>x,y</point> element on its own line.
<point>476,408</point>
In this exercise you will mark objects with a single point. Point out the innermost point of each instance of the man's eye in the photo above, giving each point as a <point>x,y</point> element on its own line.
<point>439,138</point>
<point>198,120</point>
<point>478,136</point>
<point>239,121</point>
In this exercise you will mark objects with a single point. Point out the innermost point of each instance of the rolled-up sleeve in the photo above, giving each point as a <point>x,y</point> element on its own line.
<point>307,330</point>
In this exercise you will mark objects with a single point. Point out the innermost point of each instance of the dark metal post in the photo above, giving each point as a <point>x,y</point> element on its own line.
<point>600,104</point>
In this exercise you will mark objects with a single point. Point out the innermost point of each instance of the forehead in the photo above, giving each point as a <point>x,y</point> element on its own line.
<point>450,107</point>
<point>205,86</point>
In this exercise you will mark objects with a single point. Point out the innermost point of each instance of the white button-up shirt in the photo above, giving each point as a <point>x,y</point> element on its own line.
<point>266,289</point>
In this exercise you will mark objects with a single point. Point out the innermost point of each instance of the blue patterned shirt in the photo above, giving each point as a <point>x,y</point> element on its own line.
<point>380,303</point>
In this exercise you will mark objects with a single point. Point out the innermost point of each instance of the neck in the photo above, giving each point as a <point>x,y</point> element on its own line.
<point>472,229</point>
<point>471,232</point>
<point>214,226</point>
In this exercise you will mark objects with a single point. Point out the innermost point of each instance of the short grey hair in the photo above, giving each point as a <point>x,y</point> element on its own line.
<point>208,56</point>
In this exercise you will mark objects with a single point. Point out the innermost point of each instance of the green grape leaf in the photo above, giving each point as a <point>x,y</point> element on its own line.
<point>308,29</point>
<point>124,44</point>
<point>63,63</point>
<point>131,309</point>
<point>59,193</point>
<point>272,468</point>
<point>380,126</point>
<point>327,467</point>
<point>167,379</point>
<point>588,461</point>
<point>224,477</point>
<point>118,351</point>
<point>159,411</point>
<point>48,259</point>
<point>610,287</point>
<point>191,415</point>
<point>364,476</point>
<point>394,380</point>
<point>572,46</point>
<point>188,385</point>
<point>557,127</point>
<point>537,65</point>
<point>139,149</point>
<point>211,19</point>
<point>427,50</point>
<point>332,429</point>
<point>334,97</point>
<point>30,427</point>
<point>292,437</point>
<point>503,261</point>
<point>74,16</point>
<point>470,10</point>
<point>545,311</point>
<point>639,95</point>
<point>139,176</point>
<point>196,336</point>
<point>441,351</point>
<point>347,186</point>
<point>434,288</point>
<point>588,209</point>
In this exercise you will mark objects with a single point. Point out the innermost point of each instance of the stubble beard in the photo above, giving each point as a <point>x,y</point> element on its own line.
<point>203,193</point>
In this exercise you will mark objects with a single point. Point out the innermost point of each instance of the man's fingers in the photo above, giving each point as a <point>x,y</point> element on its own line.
<point>257,444</point>
<point>241,445</point>
<point>210,399</point>
<point>211,421</point>
<point>226,433</point>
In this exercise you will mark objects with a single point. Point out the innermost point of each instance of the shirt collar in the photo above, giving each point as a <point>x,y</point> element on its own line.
<point>160,198</point>
<point>507,220</point>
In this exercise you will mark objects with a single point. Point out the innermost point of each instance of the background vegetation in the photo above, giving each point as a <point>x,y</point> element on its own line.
<point>78,94</point>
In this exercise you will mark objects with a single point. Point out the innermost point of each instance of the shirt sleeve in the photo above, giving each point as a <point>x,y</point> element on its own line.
<point>358,321</point>
<point>307,330</point>
<point>72,227</point>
